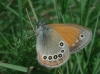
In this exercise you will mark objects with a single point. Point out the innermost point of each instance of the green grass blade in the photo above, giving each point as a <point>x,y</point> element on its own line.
<point>14,67</point>
<point>82,7</point>
<point>79,65</point>
<point>33,10</point>
<point>96,67</point>
<point>56,10</point>
<point>74,68</point>
<point>5,41</point>
<point>14,12</point>
<point>94,34</point>
<point>20,17</point>
<point>86,17</point>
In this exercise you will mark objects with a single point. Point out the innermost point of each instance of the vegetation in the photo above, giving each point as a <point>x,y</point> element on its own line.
<point>17,40</point>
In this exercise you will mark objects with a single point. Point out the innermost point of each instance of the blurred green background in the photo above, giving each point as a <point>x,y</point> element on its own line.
<point>17,41</point>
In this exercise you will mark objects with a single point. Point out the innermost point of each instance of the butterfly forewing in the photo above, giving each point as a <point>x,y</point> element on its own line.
<point>76,36</point>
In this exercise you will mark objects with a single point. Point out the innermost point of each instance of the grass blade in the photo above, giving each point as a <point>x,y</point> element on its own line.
<point>14,67</point>
<point>33,10</point>
<point>20,17</point>
<point>79,65</point>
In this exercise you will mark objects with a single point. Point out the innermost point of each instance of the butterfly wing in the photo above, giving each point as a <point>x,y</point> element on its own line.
<point>76,36</point>
<point>52,50</point>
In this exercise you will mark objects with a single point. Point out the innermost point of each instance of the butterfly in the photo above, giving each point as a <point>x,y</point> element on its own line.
<point>55,42</point>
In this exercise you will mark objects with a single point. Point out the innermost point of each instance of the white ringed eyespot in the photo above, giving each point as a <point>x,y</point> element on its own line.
<point>81,36</point>
<point>44,57</point>
<point>61,44</point>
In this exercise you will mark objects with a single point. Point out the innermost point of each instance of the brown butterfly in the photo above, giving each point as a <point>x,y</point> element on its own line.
<point>55,42</point>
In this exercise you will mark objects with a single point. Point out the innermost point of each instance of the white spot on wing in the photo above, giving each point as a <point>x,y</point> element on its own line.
<point>81,36</point>
<point>76,40</point>
<point>62,44</point>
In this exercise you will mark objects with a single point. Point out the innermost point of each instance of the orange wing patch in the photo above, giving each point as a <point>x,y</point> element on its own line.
<point>69,33</point>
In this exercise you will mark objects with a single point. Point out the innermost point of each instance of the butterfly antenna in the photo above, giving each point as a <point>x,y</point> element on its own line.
<point>30,21</point>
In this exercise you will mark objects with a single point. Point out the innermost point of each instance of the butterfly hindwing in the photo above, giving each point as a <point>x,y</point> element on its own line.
<point>52,50</point>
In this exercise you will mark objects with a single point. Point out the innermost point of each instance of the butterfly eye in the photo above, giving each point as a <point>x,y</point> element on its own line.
<point>55,56</point>
<point>61,44</point>
<point>50,57</point>
<point>44,57</point>
<point>81,36</point>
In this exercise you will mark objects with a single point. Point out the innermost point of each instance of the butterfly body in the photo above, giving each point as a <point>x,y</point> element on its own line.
<point>55,42</point>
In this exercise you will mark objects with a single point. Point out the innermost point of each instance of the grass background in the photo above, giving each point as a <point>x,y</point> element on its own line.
<point>17,41</point>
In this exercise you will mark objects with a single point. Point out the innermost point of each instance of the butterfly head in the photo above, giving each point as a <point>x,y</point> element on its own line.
<point>42,27</point>
<point>39,27</point>
<point>40,24</point>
